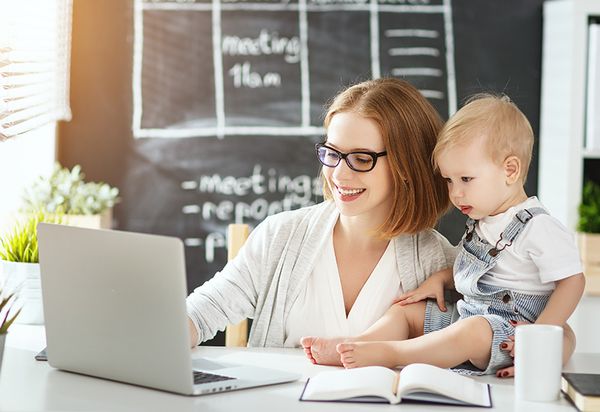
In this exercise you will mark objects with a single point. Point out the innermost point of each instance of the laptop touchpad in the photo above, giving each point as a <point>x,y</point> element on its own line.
<point>207,365</point>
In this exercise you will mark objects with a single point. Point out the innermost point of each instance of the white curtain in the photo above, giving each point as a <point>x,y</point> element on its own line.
<point>35,48</point>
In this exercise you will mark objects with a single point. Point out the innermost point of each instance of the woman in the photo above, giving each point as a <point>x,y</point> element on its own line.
<point>334,268</point>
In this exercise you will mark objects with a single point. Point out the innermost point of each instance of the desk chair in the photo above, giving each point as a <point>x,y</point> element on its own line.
<point>236,335</point>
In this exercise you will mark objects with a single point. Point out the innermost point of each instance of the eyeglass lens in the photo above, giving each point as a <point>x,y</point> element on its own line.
<point>357,161</point>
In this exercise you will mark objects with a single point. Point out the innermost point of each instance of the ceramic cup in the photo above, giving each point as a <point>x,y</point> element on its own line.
<point>538,362</point>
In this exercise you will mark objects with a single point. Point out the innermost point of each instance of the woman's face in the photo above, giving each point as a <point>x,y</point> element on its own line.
<point>365,194</point>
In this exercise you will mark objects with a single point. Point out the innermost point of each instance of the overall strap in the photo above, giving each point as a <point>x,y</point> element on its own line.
<point>469,229</point>
<point>515,227</point>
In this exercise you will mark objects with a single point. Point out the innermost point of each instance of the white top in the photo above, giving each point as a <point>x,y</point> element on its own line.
<point>273,267</point>
<point>320,311</point>
<point>543,253</point>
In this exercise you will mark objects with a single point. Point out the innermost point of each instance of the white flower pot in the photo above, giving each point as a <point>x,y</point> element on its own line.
<point>24,278</point>
<point>2,340</point>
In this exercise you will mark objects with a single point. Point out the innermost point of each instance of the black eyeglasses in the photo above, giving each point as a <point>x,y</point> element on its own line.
<point>358,161</point>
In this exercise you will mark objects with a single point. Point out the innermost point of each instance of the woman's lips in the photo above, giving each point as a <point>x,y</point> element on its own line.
<point>349,194</point>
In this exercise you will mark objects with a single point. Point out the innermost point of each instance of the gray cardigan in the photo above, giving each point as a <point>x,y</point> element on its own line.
<point>273,266</point>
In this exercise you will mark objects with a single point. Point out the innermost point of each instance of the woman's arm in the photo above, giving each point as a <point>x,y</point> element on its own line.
<point>193,334</point>
<point>230,295</point>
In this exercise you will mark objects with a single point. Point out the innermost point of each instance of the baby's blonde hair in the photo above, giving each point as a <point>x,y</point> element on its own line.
<point>505,128</point>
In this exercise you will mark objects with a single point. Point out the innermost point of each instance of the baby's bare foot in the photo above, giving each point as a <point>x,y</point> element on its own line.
<point>358,354</point>
<point>321,350</point>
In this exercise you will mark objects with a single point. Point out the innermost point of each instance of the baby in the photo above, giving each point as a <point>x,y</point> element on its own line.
<point>516,263</point>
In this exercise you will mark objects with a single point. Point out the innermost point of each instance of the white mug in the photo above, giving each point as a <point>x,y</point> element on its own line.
<point>538,362</point>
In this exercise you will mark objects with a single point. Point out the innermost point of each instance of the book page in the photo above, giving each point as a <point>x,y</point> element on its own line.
<point>350,383</point>
<point>427,382</point>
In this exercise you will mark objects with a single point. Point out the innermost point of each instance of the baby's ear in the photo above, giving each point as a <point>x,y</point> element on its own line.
<point>512,169</point>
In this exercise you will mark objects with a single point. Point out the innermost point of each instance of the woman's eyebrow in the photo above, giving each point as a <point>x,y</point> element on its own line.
<point>356,149</point>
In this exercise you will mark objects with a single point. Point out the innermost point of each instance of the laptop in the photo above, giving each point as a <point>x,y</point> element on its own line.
<point>114,308</point>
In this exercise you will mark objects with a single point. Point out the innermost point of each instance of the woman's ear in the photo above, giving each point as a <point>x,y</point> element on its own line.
<point>512,169</point>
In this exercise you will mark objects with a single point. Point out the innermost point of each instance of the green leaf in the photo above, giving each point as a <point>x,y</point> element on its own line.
<point>6,321</point>
<point>589,209</point>
<point>20,244</point>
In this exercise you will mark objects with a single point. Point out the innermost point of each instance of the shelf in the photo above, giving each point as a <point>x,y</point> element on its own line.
<point>591,153</point>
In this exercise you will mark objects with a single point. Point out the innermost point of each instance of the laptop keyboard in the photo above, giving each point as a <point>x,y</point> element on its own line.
<point>204,377</point>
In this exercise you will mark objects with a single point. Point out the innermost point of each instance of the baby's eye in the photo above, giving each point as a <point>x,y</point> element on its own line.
<point>448,180</point>
<point>466,179</point>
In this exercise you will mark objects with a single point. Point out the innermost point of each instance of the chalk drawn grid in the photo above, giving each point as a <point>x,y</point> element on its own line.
<point>389,25</point>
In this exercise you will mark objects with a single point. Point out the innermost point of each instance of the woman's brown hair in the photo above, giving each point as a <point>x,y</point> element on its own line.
<point>409,126</point>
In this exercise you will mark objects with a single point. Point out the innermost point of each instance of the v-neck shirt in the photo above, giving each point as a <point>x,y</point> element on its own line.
<point>319,310</point>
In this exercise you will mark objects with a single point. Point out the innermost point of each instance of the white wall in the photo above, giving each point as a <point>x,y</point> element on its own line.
<point>22,160</point>
<point>585,324</point>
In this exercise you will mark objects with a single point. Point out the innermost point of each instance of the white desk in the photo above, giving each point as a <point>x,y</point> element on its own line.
<point>29,385</point>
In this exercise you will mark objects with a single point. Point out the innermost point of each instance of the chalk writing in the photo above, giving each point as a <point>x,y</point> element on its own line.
<point>297,191</point>
<point>267,43</point>
<point>243,76</point>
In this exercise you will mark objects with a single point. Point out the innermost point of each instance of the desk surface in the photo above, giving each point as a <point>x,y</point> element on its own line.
<point>28,385</point>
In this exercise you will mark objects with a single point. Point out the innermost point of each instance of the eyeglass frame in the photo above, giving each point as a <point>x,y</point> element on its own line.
<point>341,155</point>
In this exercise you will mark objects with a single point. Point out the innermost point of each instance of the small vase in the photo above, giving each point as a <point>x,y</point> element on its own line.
<point>24,277</point>
<point>2,339</point>
<point>100,221</point>
<point>589,248</point>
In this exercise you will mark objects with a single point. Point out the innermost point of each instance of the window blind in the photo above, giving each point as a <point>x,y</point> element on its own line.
<point>35,48</point>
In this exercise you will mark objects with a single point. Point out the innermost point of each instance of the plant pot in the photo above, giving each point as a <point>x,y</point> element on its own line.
<point>101,221</point>
<point>589,248</point>
<point>24,277</point>
<point>2,340</point>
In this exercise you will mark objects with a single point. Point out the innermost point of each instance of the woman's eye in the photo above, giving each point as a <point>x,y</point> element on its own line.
<point>362,159</point>
<point>466,179</point>
<point>448,180</point>
<point>332,155</point>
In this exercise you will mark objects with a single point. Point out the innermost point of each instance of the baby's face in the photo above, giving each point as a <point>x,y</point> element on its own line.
<point>477,185</point>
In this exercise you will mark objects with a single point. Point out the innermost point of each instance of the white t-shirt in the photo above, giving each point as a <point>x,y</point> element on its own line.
<point>544,252</point>
<point>320,311</point>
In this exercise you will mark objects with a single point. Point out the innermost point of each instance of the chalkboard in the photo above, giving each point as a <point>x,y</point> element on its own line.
<point>205,113</point>
<point>267,67</point>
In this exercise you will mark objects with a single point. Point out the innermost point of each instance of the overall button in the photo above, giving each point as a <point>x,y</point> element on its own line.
<point>506,298</point>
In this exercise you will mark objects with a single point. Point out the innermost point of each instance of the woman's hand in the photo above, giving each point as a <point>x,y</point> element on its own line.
<point>432,288</point>
<point>509,345</point>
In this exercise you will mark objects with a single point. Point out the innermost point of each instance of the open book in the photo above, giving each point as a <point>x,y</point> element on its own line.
<point>416,382</point>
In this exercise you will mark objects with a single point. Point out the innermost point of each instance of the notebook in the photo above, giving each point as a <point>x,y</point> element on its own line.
<point>583,389</point>
<point>114,308</point>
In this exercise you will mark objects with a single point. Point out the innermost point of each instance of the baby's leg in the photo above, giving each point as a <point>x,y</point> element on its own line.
<point>466,340</point>
<point>397,323</point>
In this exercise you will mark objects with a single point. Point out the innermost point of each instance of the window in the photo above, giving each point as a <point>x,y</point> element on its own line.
<point>34,64</point>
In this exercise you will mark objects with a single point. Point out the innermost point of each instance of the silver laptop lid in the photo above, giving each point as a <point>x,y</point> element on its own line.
<point>114,305</point>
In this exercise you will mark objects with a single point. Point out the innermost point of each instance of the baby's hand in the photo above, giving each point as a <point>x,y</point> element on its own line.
<point>432,288</point>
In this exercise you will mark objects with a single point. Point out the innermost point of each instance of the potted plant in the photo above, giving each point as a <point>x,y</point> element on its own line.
<point>7,317</point>
<point>19,265</point>
<point>589,236</point>
<point>86,204</point>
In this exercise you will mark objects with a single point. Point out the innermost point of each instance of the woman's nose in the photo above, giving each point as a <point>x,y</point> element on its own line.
<point>342,169</point>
